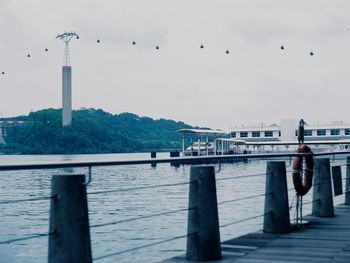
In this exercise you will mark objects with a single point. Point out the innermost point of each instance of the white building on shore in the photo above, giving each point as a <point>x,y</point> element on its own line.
<point>276,137</point>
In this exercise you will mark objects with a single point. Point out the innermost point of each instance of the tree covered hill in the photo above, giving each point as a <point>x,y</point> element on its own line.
<point>92,131</point>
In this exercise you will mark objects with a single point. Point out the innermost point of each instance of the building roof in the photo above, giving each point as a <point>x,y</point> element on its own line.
<point>265,128</point>
<point>327,127</point>
<point>260,143</point>
<point>11,122</point>
<point>306,127</point>
<point>202,132</point>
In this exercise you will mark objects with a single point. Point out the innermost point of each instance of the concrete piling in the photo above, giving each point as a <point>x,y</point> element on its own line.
<point>276,219</point>
<point>154,155</point>
<point>337,180</point>
<point>322,204</point>
<point>347,182</point>
<point>203,240</point>
<point>69,222</point>
<point>175,154</point>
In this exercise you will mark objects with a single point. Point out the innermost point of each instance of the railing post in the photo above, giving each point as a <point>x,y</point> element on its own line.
<point>203,240</point>
<point>322,204</point>
<point>69,222</point>
<point>347,182</point>
<point>276,219</point>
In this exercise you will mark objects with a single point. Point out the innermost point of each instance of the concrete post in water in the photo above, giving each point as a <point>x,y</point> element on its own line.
<point>153,155</point>
<point>175,154</point>
<point>69,222</point>
<point>347,182</point>
<point>203,241</point>
<point>276,219</point>
<point>322,204</point>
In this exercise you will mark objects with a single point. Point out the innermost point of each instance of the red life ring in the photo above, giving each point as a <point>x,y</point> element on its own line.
<point>303,186</point>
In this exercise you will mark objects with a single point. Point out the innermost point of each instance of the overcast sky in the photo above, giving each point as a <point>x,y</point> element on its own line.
<point>256,82</point>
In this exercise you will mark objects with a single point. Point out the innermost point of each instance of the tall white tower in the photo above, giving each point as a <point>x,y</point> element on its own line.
<point>67,79</point>
<point>66,96</point>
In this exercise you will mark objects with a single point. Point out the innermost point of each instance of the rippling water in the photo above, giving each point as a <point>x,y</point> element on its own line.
<point>26,218</point>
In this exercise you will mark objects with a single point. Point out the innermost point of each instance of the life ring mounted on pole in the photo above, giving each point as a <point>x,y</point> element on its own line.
<point>303,185</point>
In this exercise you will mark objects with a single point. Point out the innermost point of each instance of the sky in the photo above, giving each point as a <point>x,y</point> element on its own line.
<point>257,82</point>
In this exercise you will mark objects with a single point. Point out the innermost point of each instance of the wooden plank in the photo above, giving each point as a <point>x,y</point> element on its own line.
<point>286,258</point>
<point>285,242</point>
<point>323,240</point>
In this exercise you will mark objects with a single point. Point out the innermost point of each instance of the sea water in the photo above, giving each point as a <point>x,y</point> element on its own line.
<point>23,219</point>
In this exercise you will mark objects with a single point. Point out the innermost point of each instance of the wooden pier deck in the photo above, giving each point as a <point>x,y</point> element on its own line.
<point>323,240</point>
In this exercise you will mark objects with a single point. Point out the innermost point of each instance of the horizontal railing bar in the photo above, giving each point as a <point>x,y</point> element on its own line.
<point>310,202</point>
<point>242,198</point>
<point>144,246</point>
<point>239,176</point>
<point>24,238</point>
<point>215,158</point>
<point>293,188</point>
<point>141,217</point>
<point>138,188</point>
<point>299,170</point>
<point>26,200</point>
<point>344,164</point>
<point>246,219</point>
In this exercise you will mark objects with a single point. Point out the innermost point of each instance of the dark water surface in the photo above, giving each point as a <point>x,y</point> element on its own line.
<point>26,218</point>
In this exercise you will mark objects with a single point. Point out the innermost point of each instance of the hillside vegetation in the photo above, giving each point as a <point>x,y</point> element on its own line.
<point>93,131</point>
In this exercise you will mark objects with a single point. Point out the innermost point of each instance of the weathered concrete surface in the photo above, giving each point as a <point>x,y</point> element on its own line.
<point>323,240</point>
<point>69,221</point>
<point>322,189</point>
<point>66,95</point>
<point>276,219</point>
<point>203,219</point>
<point>347,182</point>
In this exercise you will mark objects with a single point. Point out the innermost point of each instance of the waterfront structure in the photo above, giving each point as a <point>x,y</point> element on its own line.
<point>5,129</point>
<point>2,140</point>
<point>67,79</point>
<point>284,137</point>
<point>203,144</point>
<point>275,137</point>
<point>287,131</point>
<point>69,214</point>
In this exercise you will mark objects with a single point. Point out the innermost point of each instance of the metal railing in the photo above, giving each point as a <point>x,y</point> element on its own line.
<point>182,160</point>
<point>179,160</point>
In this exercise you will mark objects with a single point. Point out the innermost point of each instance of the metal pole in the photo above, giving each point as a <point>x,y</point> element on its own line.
<point>215,142</point>
<point>199,148</point>
<point>183,145</point>
<point>207,141</point>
